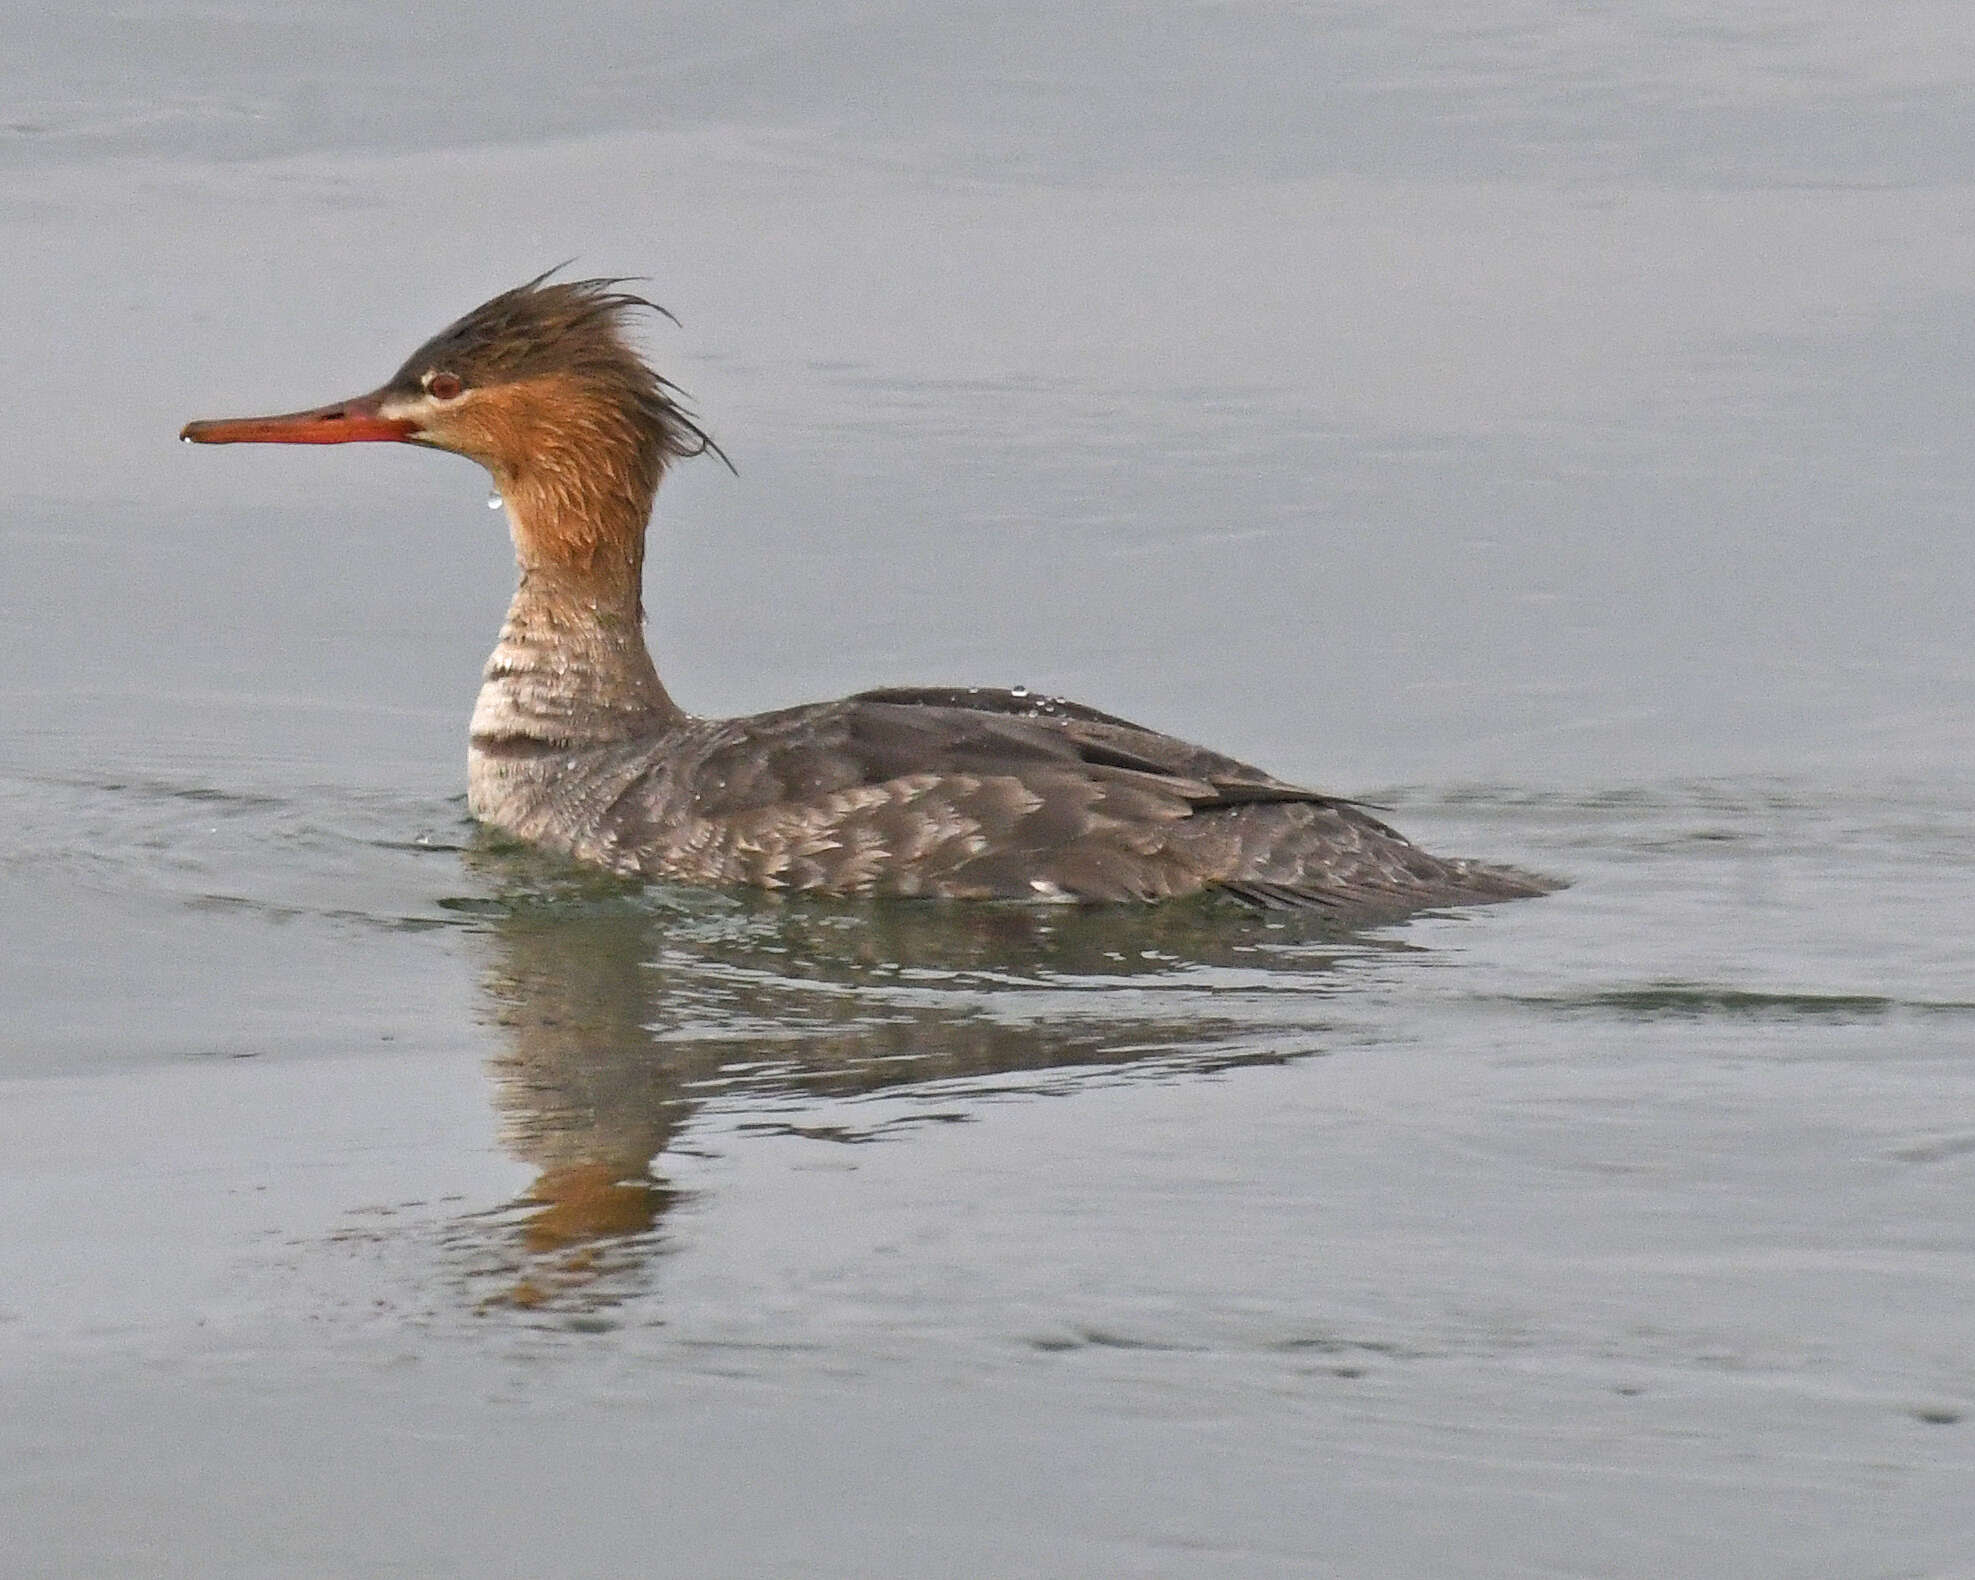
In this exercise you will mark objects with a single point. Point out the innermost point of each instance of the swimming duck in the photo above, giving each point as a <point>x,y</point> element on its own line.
<point>937,791</point>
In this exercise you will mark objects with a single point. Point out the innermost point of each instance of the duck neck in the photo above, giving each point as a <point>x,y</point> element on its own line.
<point>571,667</point>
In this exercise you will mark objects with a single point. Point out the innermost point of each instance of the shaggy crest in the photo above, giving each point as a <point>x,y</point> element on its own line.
<point>577,327</point>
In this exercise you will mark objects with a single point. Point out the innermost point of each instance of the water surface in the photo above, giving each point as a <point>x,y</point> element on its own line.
<point>1552,426</point>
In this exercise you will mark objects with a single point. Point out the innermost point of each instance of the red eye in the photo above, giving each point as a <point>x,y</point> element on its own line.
<point>443,386</point>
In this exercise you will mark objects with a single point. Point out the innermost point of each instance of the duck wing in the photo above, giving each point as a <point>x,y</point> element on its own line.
<point>980,793</point>
<point>1105,741</point>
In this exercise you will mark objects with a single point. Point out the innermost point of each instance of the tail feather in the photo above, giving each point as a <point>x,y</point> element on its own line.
<point>1365,897</point>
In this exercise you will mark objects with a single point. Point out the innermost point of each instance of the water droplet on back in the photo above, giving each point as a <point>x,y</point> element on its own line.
<point>494,500</point>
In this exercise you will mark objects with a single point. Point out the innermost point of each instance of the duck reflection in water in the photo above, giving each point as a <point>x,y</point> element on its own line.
<point>628,1011</point>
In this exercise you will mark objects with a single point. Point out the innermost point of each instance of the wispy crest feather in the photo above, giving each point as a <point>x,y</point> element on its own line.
<point>579,327</point>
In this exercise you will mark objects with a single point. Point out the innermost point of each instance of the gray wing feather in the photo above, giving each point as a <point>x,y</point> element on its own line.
<point>987,793</point>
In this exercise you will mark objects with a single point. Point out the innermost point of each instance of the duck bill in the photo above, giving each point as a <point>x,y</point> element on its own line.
<point>359,421</point>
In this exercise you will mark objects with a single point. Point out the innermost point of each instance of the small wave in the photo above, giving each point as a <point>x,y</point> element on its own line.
<point>1698,1001</point>
<point>330,853</point>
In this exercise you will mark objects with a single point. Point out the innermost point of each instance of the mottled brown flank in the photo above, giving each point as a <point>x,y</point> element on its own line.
<point>979,795</point>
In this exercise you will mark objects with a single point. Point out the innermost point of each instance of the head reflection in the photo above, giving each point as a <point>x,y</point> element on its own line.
<point>629,1015</point>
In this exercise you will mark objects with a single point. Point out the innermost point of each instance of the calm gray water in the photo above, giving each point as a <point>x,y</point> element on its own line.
<point>1553,424</point>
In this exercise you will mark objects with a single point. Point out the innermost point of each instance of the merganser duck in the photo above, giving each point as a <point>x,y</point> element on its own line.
<point>948,792</point>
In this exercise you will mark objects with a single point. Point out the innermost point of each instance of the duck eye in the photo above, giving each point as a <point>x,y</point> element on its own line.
<point>443,386</point>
